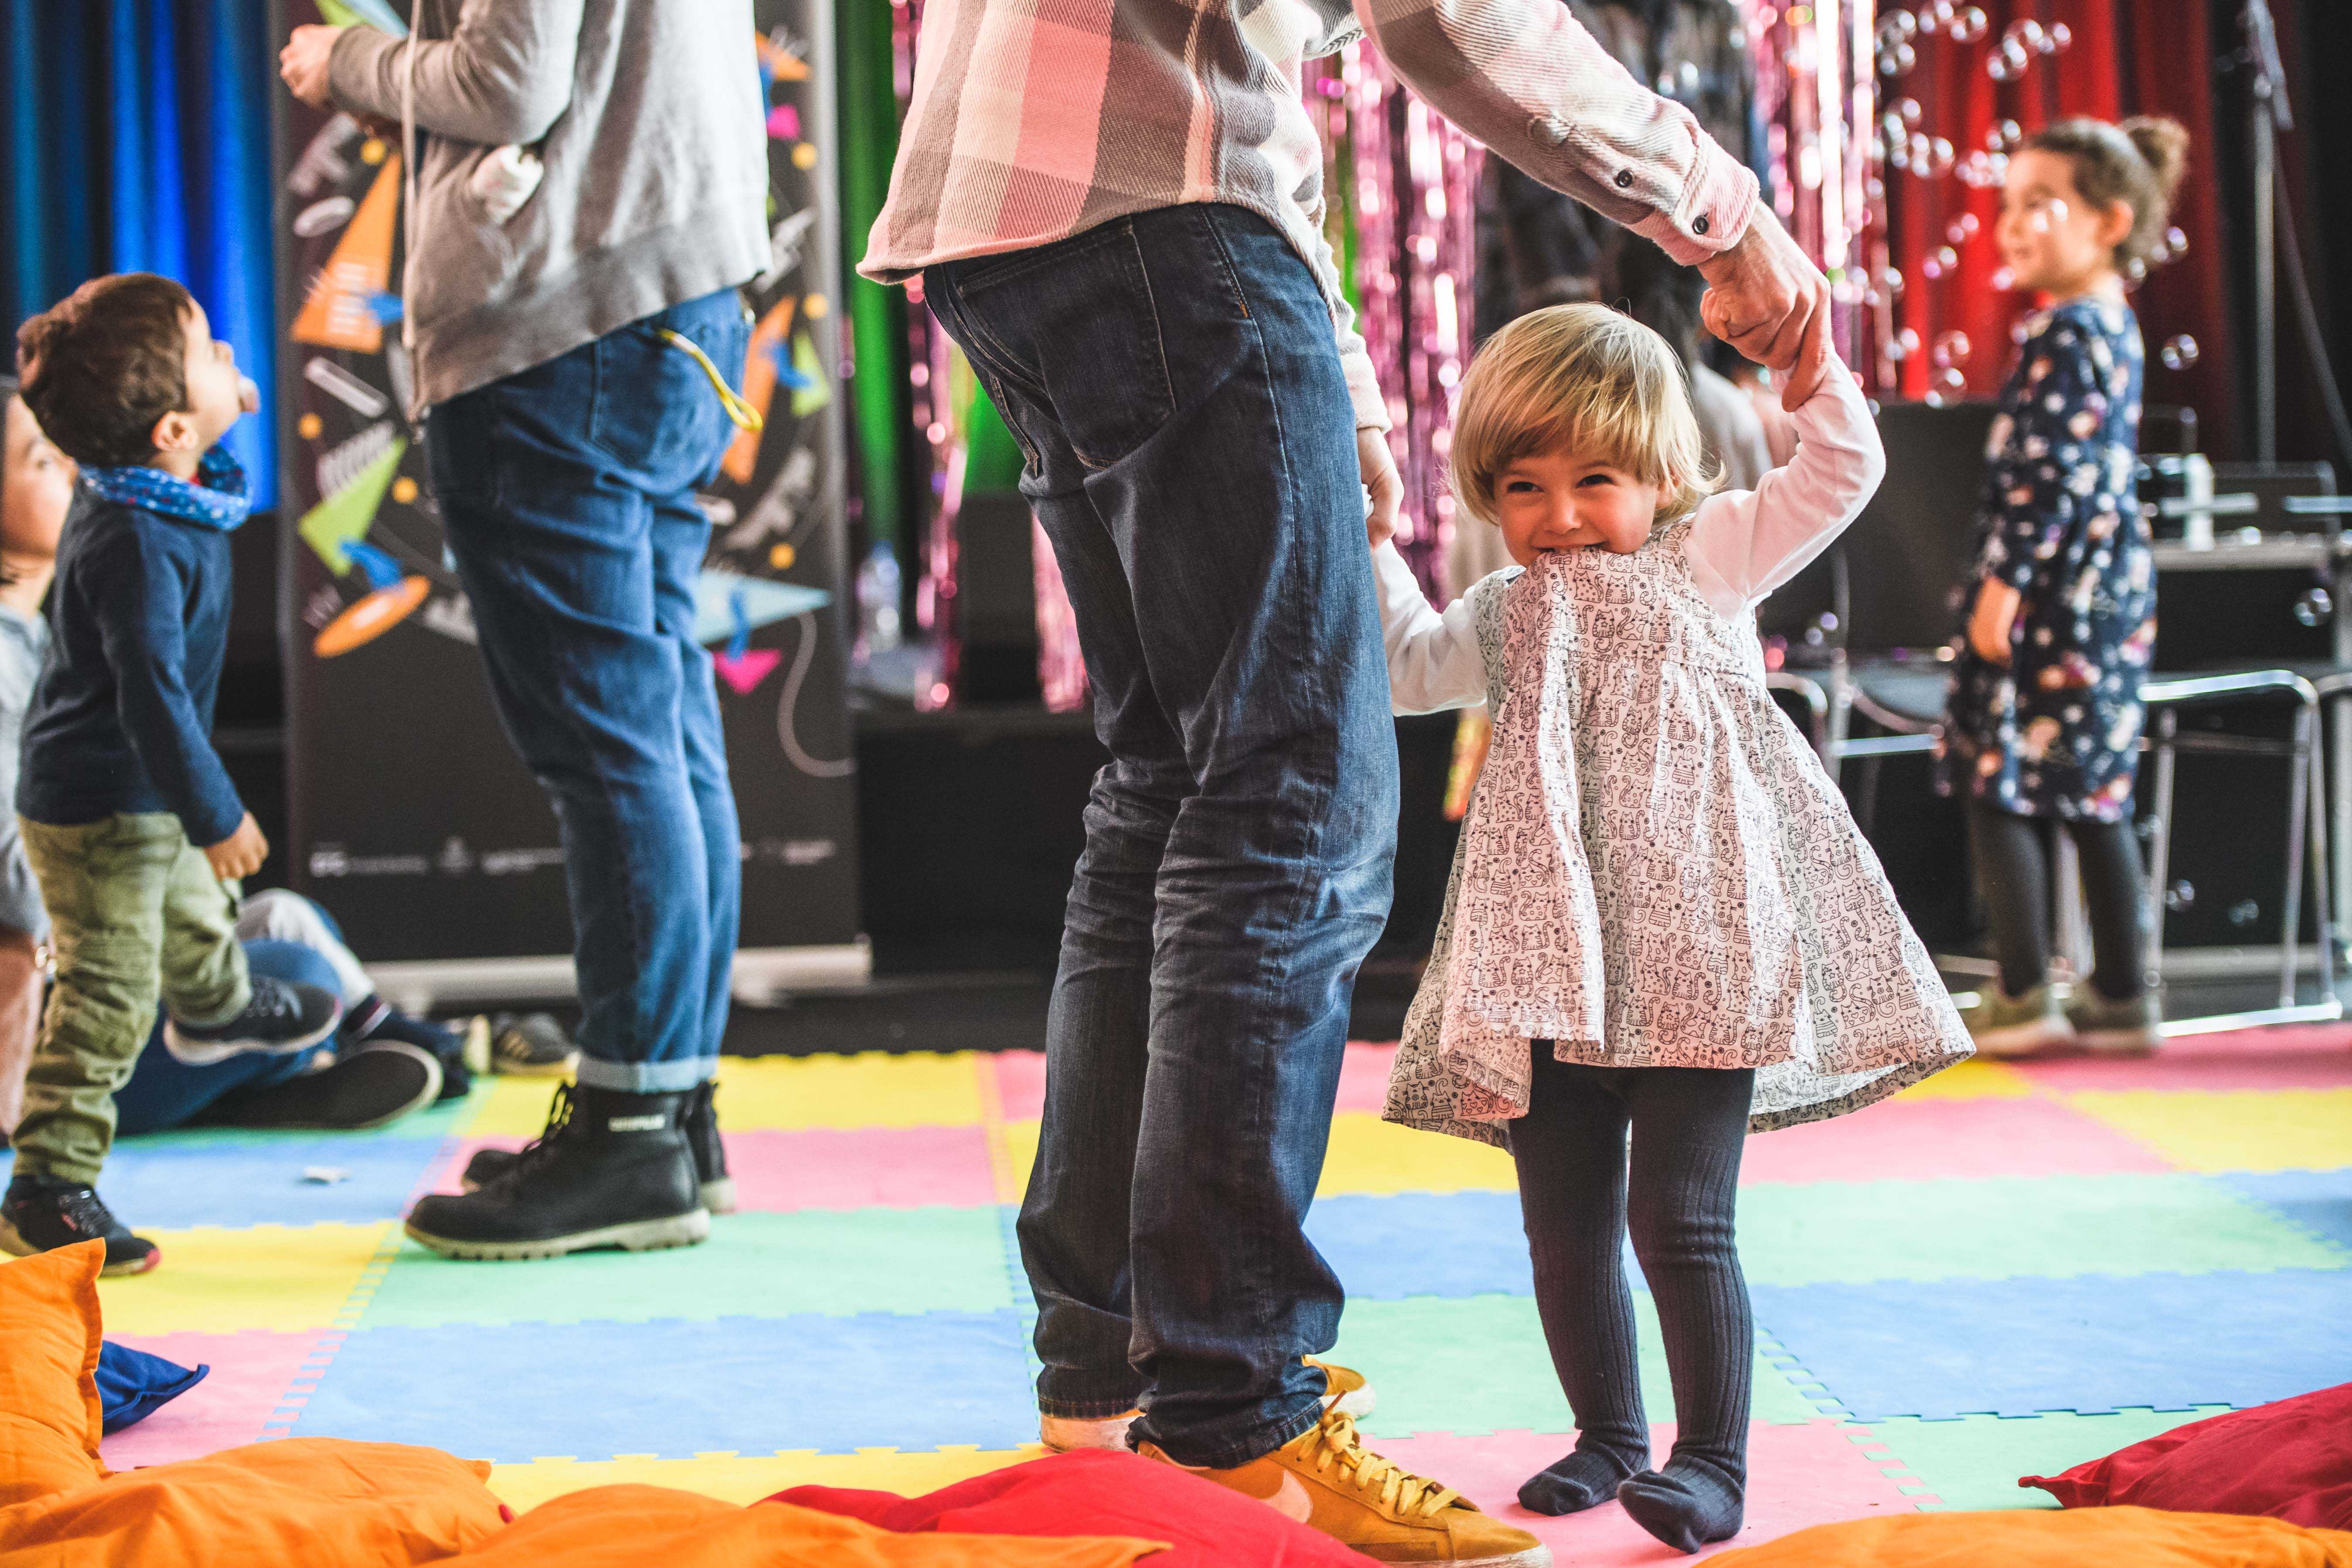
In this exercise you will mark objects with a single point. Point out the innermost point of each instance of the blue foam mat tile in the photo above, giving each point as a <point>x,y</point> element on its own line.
<point>2088,1343</point>
<point>673,1389</point>
<point>1387,1247</point>
<point>173,1185</point>
<point>2318,1200</point>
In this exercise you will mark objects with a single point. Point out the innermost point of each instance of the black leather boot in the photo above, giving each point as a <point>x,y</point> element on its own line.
<point>612,1169</point>
<point>701,1120</point>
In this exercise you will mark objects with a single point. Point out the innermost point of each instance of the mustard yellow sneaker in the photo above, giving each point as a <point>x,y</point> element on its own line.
<point>1326,1478</point>
<point>1345,1390</point>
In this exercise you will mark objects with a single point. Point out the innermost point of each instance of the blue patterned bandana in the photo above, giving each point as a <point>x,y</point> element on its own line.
<point>216,498</point>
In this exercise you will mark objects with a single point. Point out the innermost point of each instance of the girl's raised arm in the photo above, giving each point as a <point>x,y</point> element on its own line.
<point>1745,543</point>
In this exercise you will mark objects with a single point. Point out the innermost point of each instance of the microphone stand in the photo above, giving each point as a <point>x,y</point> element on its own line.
<point>2268,113</point>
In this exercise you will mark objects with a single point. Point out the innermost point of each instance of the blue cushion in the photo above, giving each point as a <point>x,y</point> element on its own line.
<point>132,1384</point>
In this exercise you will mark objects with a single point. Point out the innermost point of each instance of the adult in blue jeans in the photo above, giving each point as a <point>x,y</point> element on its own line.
<point>569,330</point>
<point>1131,257</point>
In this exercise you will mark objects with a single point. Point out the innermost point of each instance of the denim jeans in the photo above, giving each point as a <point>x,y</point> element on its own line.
<point>1191,453</point>
<point>566,493</point>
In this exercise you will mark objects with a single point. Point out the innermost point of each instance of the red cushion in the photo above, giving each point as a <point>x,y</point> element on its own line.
<point>1097,1492</point>
<point>2292,1460</point>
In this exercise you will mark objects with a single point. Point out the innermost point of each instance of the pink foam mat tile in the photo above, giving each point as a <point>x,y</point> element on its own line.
<point>253,1376</point>
<point>1923,1140</point>
<point>1020,1084</point>
<point>2303,1056</point>
<point>1364,1077</point>
<point>1798,1477</point>
<point>1021,1079</point>
<point>862,1167</point>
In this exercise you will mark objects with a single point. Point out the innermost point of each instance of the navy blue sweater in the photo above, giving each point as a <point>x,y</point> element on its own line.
<point>121,720</point>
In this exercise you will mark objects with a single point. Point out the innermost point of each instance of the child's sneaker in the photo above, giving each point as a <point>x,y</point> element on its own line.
<point>533,1046</point>
<point>2132,1028</point>
<point>2006,1026</point>
<point>283,1015</point>
<point>41,1214</point>
<point>1326,1478</point>
<point>376,1019</point>
<point>366,1086</point>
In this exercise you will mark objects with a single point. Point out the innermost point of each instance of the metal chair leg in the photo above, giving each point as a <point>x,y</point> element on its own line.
<point>2159,856</point>
<point>2290,905</point>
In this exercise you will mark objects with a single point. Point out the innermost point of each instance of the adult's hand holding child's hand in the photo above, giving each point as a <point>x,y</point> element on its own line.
<point>1991,621</point>
<point>1382,482</point>
<point>303,62</point>
<point>241,852</point>
<point>1766,299</point>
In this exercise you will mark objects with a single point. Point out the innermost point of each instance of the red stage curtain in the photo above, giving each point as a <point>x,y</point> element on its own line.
<point>2129,56</point>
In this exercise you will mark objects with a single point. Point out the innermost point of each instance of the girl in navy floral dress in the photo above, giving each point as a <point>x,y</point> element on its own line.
<point>2058,618</point>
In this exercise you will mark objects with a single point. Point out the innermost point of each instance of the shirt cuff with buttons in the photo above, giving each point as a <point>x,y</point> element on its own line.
<point>1712,215</point>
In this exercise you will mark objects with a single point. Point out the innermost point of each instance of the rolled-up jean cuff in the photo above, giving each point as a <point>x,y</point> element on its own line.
<point>1255,1444</point>
<point>1087,1409</point>
<point>673,1077</point>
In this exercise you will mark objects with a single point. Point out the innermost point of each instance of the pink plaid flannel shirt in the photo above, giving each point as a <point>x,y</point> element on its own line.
<point>1037,120</point>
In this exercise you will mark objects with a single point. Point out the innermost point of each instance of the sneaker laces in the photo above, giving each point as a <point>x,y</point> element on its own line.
<point>83,1209</point>
<point>272,999</point>
<point>1335,1443</point>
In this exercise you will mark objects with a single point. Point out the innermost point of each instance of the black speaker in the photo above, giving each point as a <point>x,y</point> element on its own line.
<point>996,599</point>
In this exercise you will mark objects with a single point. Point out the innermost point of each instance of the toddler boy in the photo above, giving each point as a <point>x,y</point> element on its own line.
<point>120,783</point>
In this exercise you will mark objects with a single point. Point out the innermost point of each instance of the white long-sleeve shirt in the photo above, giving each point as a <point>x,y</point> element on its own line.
<point>1743,544</point>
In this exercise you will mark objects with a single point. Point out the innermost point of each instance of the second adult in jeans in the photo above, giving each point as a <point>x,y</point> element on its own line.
<point>567,495</point>
<point>1192,454</point>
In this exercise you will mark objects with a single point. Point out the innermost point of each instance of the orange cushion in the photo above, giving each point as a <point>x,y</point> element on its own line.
<point>49,1391</point>
<point>629,1526</point>
<point>298,1500</point>
<point>2042,1538</point>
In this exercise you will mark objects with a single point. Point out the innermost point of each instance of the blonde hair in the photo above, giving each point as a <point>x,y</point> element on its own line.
<point>1582,379</point>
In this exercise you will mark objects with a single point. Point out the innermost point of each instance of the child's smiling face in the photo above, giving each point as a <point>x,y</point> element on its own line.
<point>215,396</point>
<point>1560,501</point>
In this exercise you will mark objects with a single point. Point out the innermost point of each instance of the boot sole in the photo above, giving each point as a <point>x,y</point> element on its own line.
<point>210,1053</point>
<point>2118,1042</point>
<point>636,1235</point>
<point>2024,1040</point>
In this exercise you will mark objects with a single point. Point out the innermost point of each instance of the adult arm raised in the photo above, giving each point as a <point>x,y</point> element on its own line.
<point>503,76</point>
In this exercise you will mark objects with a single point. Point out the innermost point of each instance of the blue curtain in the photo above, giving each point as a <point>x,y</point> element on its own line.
<point>134,137</point>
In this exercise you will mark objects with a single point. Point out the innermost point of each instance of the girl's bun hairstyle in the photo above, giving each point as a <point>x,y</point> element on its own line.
<point>2138,163</point>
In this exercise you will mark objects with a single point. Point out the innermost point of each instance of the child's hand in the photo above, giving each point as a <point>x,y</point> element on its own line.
<point>241,852</point>
<point>1990,625</point>
<point>1381,483</point>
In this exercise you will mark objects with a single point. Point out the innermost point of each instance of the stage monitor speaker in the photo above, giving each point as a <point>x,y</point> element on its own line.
<point>996,598</point>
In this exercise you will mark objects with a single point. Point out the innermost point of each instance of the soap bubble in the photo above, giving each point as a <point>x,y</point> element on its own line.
<point>2179,352</point>
<point>2018,331</point>
<point>2047,216</point>
<point>2005,136</point>
<point>1908,340</point>
<point>1940,156</point>
<point>1891,279</point>
<point>1908,110</point>
<point>2025,32</point>
<point>2176,241</point>
<point>1963,229</point>
<point>2058,39</point>
<point>1936,16</point>
<point>1898,24</point>
<point>1968,25</point>
<point>2008,62</point>
<point>2003,278</point>
<point>1951,348</point>
<point>1898,60</point>
<point>1952,382</point>
<point>1922,152</point>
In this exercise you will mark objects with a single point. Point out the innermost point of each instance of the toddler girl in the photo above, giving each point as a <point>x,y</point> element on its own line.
<point>2058,616</point>
<point>1662,916</point>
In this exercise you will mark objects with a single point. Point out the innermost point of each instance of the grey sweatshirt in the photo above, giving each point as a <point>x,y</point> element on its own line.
<point>647,116</point>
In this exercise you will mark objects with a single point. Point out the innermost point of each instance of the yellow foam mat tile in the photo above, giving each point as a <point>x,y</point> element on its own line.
<point>873,1089</point>
<point>1370,1156</point>
<point>1019,1152</point>
<point>2234,1130</point>
<point>214,1280</point>
<point>1367,1156</point>
<point>1975,1078</point>
<point>745,1478</point>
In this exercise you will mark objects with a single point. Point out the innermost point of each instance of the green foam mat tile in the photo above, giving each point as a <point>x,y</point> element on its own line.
<point>829,1262</point>
<point>2014,1227</point>
<point>1974,1462</point>
<point>1477,1363</point>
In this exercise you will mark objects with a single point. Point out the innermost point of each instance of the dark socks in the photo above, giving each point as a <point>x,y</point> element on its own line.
<point>1584,1479</point>
<point>1688,1504</point>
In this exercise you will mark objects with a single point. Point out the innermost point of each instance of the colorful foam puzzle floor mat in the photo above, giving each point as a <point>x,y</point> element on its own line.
<point>2005,1271</point>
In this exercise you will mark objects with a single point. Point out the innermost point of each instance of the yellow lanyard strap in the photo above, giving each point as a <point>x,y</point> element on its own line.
<point>745,416</point>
